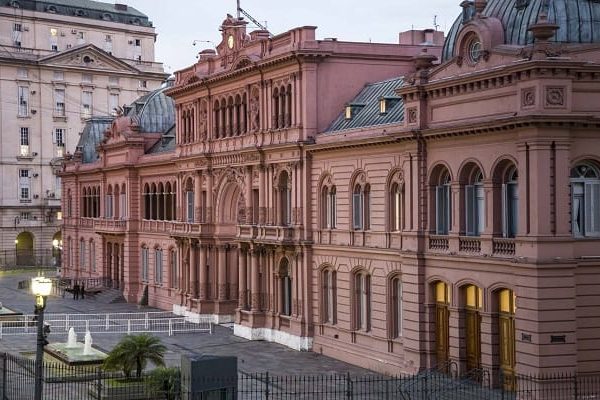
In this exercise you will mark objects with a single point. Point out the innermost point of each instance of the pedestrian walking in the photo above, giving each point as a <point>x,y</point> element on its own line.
<point>76,291</point>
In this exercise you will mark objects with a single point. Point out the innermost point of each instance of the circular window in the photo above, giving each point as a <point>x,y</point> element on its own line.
<point>87,59</point>
<point>474,50</point>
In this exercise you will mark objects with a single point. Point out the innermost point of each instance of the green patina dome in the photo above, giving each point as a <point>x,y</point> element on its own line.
<point>579,21</point>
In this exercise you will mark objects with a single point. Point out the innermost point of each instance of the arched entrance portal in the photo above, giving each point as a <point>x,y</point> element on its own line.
<point>473,302</point>
<point>442,314</point>
<point>506,339</point>
<point>24,249</point>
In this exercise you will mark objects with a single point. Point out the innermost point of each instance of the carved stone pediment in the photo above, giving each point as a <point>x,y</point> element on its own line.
<point>88,56</point>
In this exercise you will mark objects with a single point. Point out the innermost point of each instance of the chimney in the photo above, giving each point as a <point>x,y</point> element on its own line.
<point>120,7</point>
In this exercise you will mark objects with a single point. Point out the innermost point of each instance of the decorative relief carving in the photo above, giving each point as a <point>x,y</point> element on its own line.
<point>555,97</point>
<point>412,115</point>
<point>203,120</point>
<point>528,97</point>
<point>254,109</point>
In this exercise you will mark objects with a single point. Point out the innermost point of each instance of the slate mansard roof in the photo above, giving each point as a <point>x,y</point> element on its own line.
<point>84,9</point>
<point>153,112</point>
<point>365,107</point>
<point>579,21</point>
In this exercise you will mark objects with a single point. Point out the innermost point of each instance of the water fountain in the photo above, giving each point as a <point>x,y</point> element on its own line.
<point>71,339</point>
<point>87,345</point>
<point>75,353</point>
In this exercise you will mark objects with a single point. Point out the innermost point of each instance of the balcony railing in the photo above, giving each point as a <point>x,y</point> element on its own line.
<point>467,244</point>
<point>503,246</point>
<point>438,243</point>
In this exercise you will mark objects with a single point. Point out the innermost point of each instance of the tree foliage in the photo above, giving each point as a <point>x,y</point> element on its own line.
<point>165,381</point>
<point>133,353</point>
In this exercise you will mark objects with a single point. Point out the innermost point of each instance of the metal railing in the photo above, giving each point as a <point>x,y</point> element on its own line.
<point>63,382</point>
<point>123,323</point>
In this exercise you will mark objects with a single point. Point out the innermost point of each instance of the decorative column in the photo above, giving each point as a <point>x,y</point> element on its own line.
<point>242,300</point>
<point>197,193</point>
<point>222,273</point>
<point>203,273</point>
<point>261,195</point>
<point>254,283</point>
<point>209,196</point>
<point>248,194</point>
<point>193,269</point>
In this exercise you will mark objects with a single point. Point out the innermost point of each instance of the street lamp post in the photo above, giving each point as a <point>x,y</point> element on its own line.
<point>40,287</point>
<point>16,251</point>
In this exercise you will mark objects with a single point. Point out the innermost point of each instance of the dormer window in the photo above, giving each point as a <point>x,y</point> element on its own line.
<point>352,109</point>
<point>382,105</point>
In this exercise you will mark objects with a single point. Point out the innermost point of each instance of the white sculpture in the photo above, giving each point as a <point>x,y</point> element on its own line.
<point>72,339</point>
<point>87,345</point>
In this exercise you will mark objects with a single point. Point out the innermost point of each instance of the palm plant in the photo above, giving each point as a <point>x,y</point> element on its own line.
<point>165,381</point>
<point>134,352</point>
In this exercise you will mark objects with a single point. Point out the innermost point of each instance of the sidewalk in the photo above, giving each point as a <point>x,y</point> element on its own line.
<point>253,356</point>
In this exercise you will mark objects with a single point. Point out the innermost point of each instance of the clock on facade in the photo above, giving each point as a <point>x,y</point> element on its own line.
<point>230,41</point>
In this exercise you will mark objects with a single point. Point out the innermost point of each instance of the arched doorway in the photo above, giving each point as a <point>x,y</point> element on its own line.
<point>473,303</point>
<point>506,336</point>
<point>24,249</point>
<point>442,322</point>
<point>285,288</point>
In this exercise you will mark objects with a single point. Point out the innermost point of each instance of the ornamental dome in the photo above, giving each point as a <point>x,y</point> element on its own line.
<point>578,21</point>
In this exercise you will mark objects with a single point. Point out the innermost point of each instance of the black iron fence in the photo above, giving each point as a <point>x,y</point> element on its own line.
<point>29,258</point>
<point>85,382</point>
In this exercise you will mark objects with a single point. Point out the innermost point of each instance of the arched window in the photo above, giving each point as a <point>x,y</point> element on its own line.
<point>328,296</point>
<point>396,206</point>
<point>288,106</point>
<point>160,196</point>
<point>153,202</point>
<point>217,119</point>
<point>362,301</point>
<point>275,117</point>
<point>69,203</point>
<point>474,204</point>
<point>328,207</point>
<point>361,214</point>
<point>585,199</point>
<point>285,280</point>
<point>510,203</point>
<point>116,202</point>
<point>443,204</point>
<point>395,307</point>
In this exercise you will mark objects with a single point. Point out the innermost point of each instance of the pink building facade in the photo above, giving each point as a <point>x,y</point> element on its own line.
<point>398,207</point>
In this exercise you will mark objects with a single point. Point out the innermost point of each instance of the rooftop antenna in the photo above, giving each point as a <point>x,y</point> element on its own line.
<point>241,11</point>
<point>435,23</point>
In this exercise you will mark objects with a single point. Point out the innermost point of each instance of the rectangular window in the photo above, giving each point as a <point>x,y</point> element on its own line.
<point>24,140</point>
<point>123,205</point>
<point>86,104</point>
<point>25,215</point>
<point>591,209</point>
<point>59,137</point>
<point>443,207</point>
<point>82,255</point>
<point>144,264</point>
<point>17,34</point>
<point>54,39</point>
<point>57,187</point>
<point>59,102</point>
<point>113,103</point>
<point>158,265</point>
<point>108,206</point>
<point>357,208</point>
<point>93,256</point>
<point>142,84</point>
<point>190,205</point>
<point>24,185</point>
<point>23,100</point>
<point>174,275</point>
<point>510,207</point>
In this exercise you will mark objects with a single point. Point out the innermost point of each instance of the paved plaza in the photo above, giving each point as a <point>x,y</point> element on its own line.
<point>253,356</point>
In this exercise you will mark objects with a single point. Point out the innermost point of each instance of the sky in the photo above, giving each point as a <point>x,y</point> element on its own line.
<point>179,23</point>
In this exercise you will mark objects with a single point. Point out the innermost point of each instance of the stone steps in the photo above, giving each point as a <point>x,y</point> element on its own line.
<point>109,296</point>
